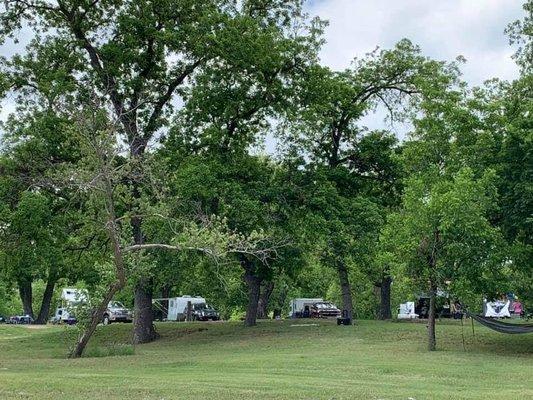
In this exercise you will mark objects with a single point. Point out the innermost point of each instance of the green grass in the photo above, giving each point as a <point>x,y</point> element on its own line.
<point>372,360</point>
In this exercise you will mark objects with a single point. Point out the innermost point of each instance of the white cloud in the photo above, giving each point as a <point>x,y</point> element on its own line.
<point>443,28</point>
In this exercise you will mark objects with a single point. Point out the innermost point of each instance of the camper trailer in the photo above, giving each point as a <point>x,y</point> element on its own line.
<point>70,298</point>
<point>177,308</point>
<point>301,308</point>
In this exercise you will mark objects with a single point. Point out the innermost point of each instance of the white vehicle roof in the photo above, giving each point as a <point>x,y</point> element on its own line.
<point>74,295</point>
<point>307,300</point>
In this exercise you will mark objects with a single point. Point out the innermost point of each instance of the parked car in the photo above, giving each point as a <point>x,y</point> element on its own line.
<point>20,319</point>
<point>2,319</point>
<point>116,312</point>
<point>324,309</point>
<point>204,312</point>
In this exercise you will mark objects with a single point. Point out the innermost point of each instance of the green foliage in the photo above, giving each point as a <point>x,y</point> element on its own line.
<point>208,80</point>
<point>520,34</point>
<point>447,221</point>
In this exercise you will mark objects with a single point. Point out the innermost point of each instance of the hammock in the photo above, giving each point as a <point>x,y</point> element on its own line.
<point>502,327</point>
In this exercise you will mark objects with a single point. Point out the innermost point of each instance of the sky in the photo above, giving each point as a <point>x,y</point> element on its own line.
<point>444,29</point>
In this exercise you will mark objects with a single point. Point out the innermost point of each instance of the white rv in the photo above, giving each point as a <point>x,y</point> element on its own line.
<point>70,298</point>
<point>177,308</point>
<point>302,307</point>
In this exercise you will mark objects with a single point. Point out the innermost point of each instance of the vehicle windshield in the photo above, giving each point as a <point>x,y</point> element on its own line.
<point>202,306</point>
<point>324,305</point>
<point>115,304</point>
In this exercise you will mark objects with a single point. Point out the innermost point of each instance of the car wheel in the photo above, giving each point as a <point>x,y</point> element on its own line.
<point>106,320</point>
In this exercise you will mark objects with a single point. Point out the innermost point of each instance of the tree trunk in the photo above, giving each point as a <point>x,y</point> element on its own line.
<point>432,342</point>
<point>346,292</point>
<point>264,297</point>
<point>44,312</point>
<point>120,281</point>
<point>384,305</point>
<point>254,287</point>
<point>26,296</point>
<point>143,326</point>
<point>95,320</point>
<point>432,264</point>
<point>143,317</point>
<point>143,321</point>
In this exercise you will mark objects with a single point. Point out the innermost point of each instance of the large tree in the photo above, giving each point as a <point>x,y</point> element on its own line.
<point>253,195</point>
<point>443,236</point>
<point>40,220</point>
<point>326,125</point>
<point>140,57</point>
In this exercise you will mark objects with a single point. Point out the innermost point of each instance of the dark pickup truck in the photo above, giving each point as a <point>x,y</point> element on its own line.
<point>324,310</point>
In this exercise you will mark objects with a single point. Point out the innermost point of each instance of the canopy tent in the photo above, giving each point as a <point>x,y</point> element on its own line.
<point>502,327</point>
<point>496,309</point>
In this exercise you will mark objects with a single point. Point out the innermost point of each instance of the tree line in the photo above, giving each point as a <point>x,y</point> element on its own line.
<point>133,163</point>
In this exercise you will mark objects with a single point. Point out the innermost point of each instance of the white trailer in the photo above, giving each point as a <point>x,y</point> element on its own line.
<point>298,306</point>
<point>177,306</point>
<point>70,298</point>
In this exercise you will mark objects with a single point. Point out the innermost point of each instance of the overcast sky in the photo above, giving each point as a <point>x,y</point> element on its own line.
<point>443,28</point>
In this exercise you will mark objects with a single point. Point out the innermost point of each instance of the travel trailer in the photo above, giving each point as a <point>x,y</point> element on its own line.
<point>301,308</point>
<point>70,298</point>
<point>177,308</point>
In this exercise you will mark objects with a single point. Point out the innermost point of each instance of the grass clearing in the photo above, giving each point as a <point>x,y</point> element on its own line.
<point>372,360</point>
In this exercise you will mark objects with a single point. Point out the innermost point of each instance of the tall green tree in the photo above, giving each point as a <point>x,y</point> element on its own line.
<point>140,57</point>
<point>444,238</point>
<point>253,195</point>
<point>41,220</point>
<point>443,234</point>
<point>326,127</point>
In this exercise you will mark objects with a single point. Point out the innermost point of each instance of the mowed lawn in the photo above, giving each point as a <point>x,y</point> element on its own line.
<point>275,360</point>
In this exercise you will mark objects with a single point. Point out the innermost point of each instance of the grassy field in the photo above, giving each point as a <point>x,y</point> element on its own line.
<point>275,360</point>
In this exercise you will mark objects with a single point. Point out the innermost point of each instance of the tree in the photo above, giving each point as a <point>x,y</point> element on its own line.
<point>140,57</point>
<point>40,220</point>
<point>252,195</point>
<point>444,238</point>
<point>325,125</point>
<point>101,173</point>
<point>495,133</point>
<point>443,235</point>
